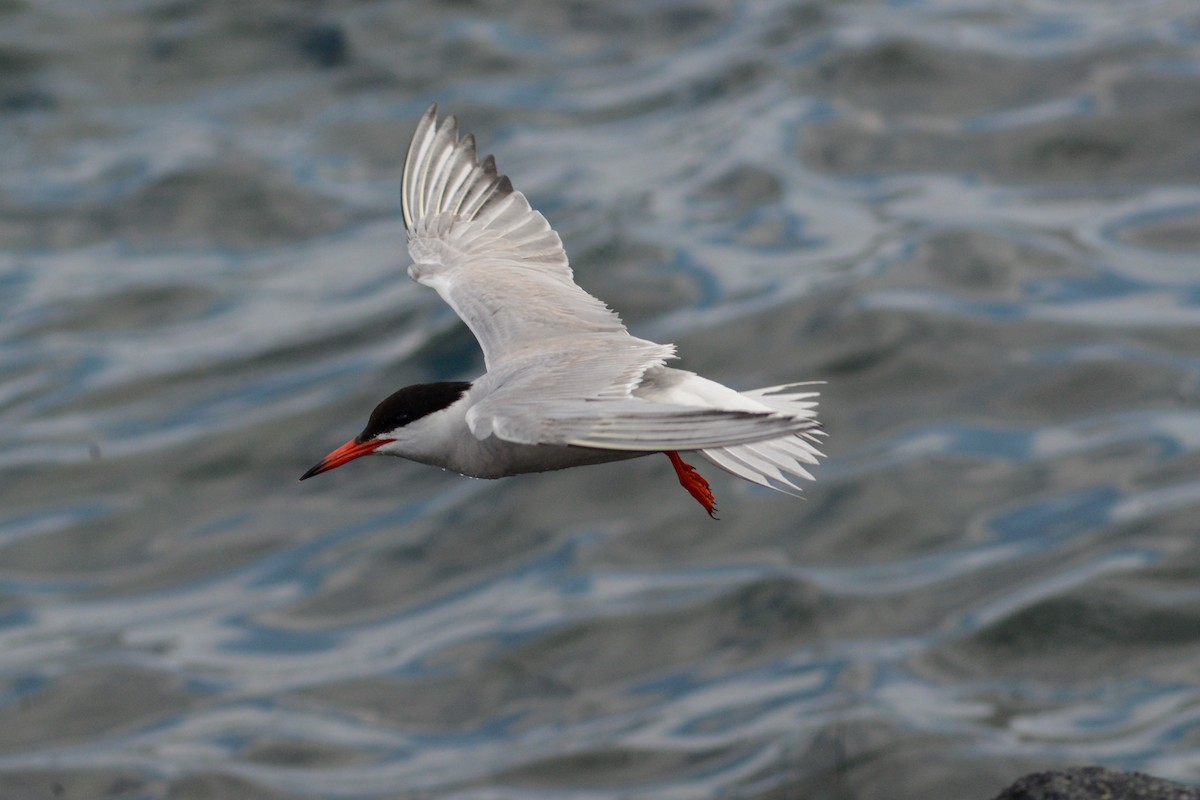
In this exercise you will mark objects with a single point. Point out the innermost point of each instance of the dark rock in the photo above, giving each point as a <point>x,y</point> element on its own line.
<point>1096,783</point>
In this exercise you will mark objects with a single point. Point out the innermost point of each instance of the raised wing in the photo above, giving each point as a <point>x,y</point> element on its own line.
<point>497,262</point>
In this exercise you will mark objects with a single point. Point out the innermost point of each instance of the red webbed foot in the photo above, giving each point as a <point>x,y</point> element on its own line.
<point>694,482</point>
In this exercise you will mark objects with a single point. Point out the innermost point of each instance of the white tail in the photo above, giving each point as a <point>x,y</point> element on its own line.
<point>776,463</point>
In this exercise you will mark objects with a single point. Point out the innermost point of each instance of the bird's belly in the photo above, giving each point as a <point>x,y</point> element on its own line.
<point>496,458</point>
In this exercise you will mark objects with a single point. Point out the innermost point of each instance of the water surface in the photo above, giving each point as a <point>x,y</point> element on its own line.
<point>979,222</point>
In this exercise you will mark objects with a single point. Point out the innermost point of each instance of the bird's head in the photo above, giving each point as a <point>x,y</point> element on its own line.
<point>389,421</point>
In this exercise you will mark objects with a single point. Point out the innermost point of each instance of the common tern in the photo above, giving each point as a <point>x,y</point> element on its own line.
<point>566,384</point>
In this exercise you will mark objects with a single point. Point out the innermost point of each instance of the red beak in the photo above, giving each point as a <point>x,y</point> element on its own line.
<point>347,452</point>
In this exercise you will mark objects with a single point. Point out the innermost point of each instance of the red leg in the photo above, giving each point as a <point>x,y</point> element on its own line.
<point>694,482</point>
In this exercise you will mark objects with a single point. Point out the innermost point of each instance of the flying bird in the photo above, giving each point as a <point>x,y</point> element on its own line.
<point>566,384</point>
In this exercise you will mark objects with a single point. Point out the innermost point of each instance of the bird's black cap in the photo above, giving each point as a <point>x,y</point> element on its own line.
<point>410,404</point>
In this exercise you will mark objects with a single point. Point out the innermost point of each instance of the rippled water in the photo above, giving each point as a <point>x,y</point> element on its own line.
<point>979,222</point>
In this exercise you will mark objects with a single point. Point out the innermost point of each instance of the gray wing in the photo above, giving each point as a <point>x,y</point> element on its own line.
<point>499,265</point>
<point>635,425</point>
<point>537,401</point>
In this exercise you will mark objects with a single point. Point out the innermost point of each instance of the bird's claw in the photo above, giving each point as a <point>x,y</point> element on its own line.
<point>694,482</point>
